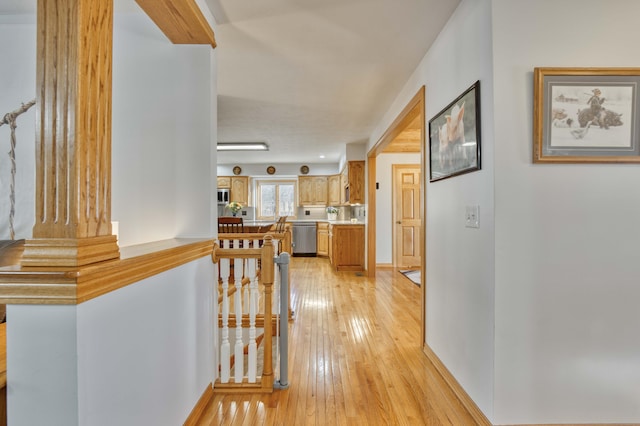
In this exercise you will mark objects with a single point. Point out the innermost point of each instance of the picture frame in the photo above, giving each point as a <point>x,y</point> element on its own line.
<point>454,137</point>
<point>586,115</point>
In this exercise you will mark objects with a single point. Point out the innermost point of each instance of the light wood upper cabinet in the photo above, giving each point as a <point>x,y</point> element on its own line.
<point>312,190</point>
<point>240,190</point>
<point>320,192</point>
<point>224,182</point>
<point>351,178</point>
<point>344,182</point>
<point>356,182</point>
<point>335,189</point>
<point>305,190</point>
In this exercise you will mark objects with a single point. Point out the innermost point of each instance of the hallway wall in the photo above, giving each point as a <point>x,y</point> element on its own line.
<point>559,254</point>
<point>460,274</point>
<point>567,269</point>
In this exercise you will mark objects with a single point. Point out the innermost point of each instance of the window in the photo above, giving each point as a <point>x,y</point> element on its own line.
<point>276,198</point>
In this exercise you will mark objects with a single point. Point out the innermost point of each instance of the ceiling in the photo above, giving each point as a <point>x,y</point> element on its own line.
<point>309,76</point>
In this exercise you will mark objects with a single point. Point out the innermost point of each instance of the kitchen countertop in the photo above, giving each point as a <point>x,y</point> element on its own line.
<point>331,222</point>
<point>258,222</point>
<point>271,222</point>
<point>344,222</point>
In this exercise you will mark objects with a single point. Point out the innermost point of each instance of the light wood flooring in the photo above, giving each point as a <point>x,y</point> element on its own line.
<point>355,358</point>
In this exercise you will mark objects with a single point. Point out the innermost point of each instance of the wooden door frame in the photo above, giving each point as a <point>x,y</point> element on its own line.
<point>415,107</point>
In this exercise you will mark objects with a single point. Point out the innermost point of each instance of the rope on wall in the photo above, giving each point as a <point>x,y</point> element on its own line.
<point>10,119</point>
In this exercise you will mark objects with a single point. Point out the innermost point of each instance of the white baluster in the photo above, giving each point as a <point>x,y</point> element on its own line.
<point>253,308</point>
<point>237,297</point>
<point>225,349</point>
<point>245,296</point>
<point>256,244</point>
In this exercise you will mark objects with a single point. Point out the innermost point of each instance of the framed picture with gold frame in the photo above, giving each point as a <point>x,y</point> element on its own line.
<point>586,115</point>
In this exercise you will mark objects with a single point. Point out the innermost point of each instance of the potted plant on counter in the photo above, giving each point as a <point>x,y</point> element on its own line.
<point>332,213</point>
<point>235,207</point>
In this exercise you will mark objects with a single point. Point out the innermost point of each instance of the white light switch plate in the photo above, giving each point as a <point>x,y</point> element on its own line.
<point>472,217</point>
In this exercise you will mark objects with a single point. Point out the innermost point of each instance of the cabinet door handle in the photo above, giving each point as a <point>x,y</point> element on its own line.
<point>399,223</point>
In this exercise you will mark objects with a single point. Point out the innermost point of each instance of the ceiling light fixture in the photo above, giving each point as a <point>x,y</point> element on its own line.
<point>242,146</point>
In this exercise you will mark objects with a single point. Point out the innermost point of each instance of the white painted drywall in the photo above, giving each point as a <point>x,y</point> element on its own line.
<point>162,185</point>
<point>42,359</point>
<point>139,355</point>
<point>384,202</point>
<point>17,85</point>
<point>145,350</point>
<point>460,261</point>
<point>567,269</point>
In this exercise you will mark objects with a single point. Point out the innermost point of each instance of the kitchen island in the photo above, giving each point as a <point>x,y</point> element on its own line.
<point>345,245</point>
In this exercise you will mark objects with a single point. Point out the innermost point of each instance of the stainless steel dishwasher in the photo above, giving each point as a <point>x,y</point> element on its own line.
<point>304,238</point>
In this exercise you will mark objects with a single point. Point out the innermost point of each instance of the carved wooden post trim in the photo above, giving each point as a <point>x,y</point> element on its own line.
<point>73,135</point>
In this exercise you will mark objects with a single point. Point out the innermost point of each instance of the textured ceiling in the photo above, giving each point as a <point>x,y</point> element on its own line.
<point>308,77</point>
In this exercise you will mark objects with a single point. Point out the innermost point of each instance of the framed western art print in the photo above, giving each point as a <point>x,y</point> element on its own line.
<point>586,115</point>
<point>454,137</point>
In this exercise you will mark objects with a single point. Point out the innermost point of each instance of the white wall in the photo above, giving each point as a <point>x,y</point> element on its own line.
<point>567,269</point>
<point>384,202</point>
<point>139,355</point>
<point>162,184</point>
<point>17,85</point>
<point>460,271</point>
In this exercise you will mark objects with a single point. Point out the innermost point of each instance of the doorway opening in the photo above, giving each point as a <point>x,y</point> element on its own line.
<point>405,135</point>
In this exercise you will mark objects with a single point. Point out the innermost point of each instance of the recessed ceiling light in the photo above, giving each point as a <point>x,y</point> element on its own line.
<point>242,146</point>
<point>321,155</point>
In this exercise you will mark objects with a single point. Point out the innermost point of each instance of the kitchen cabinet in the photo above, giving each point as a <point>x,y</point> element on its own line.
<point>352,179</point>
<point>322,239</point>
<point>344,183</point>
<point>224,182</point>
<point>239,189</point>
<point>346,247</point>
<point>312,190</point>
<point>334,189</point>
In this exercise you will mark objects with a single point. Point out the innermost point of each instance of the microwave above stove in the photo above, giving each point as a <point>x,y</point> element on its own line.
<point>223,195</point>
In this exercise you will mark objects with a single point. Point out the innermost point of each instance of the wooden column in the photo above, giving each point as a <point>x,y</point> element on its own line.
<point>73,135</point>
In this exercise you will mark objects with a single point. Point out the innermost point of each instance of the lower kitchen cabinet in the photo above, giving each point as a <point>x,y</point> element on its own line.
<point>347,247</point>
<point>322,239</point>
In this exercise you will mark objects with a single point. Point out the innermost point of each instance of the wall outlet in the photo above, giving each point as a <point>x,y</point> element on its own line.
<point>307,212</point>
<point>472,217</point>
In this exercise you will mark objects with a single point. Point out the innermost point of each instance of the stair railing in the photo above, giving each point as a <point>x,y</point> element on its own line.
<point>248,295</point>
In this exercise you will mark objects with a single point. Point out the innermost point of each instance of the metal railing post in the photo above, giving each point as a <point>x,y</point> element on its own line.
<point>283,263</point>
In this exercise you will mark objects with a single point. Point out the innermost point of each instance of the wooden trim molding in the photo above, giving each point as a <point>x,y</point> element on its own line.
<point>181,21</point>
<point>200,407</point>
<point>455,387</point>
<point>21,284</point>
<point>414,108</point>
